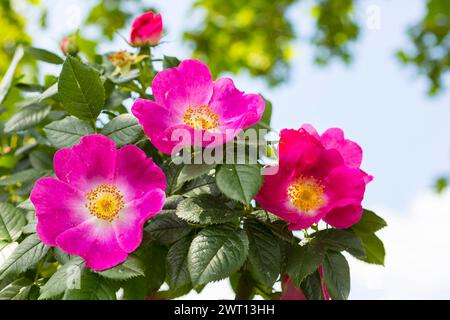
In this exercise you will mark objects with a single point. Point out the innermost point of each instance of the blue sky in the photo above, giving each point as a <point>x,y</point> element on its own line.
<point>378,102</point>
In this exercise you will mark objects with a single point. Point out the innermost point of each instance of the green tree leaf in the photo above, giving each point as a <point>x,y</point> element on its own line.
<point>7,79</point>
<point>44,55</point>
<point>373,247</point>
<point>365,229</point>
<point>304,260</point>
<point>336,274</point>
<point>205,209</point>
<point>29,252</point>
<point>81,90</point>
<point>12,220</point>
<point>92,287</point>
<point>167,228</point>
<point>154,257</point>
<point>264,253</point>
<point>341,240</point>
<point>240,182</point>
<point>17,290</point>
<point>177,264</point>
<point>312,286</point>
<point>67,132</point>
<point>28,175</point>
<point>215,253</point>
<point>27,117</point>
<point>170,62</point>
<point>123,129</point>
<point>192,171</point>
<point>369,222</point>
<point>130,268</point>
<point>63,278</point>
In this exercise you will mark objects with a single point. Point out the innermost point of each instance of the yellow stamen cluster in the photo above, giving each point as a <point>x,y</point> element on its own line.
<point>105,202</point>
<point>306,194</point>
<point>201,117</point>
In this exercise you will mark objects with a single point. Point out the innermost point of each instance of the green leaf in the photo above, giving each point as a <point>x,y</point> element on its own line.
<point>170,62</point>
<point>240,182</point>
<point>365,229</point>
<point>17,290</point>
<point>51,92</point>
<point>267,115</point>
<point>167,228</point>
<point>201,185</point>
<point>312,286</point>
<point>26,205</point>
<point>172,171</point>
<point>177,264</point>
<point>12,220</point>
<point>304,260</point>
<point>205,209</point>
<point>369,223</point>
<point>64,278</point>
<point>6,249</point>
<point>341,240</point>
<point>67,132</point>
<point>130,268</point>
<point>44,55</point>
<point>336,274</point>
<point>41,160</point>
<point>25,256</point>
<point>192,171</point>
<point>92,287</point>
<point>27,117</point>
<point>81,90</point>
<point>154,256</point>
<point>215,253</point>
<point>264,253</point>
<point>123,129</point>
<point>7,79</point>
<point>24,176</point>
<point>373,247</point>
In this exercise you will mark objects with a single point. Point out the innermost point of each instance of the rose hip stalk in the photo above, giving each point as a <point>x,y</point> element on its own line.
<point>99,202</point>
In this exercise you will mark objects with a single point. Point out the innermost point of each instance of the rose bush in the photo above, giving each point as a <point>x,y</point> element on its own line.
<point>101,198</point>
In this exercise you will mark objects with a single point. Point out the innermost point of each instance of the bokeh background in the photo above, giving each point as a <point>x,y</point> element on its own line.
<point>379,69</point>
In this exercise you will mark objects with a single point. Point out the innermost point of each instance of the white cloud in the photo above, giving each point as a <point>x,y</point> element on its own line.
<point>417,246</point>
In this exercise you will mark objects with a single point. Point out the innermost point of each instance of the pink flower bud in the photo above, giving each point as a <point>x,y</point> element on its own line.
<point>146,30</point>
<point>68,45</point>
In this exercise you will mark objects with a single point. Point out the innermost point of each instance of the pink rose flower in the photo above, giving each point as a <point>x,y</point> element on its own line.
<point>146,30</point>
<point>188,101</point>
<point>99,202</point>
<point>318,178</point>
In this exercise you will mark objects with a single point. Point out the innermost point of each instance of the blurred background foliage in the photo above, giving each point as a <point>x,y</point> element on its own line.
<point>253,36</point>
<point>430,44</point>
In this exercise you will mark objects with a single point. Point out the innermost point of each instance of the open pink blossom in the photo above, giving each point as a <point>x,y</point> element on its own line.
<point>146,30</point>
<point>97,205</point>
<point>192,109</point>
<point>318,178</point>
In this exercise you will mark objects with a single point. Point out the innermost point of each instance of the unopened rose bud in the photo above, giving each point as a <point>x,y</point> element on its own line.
<point>146,30</point>
<point>69,45</point>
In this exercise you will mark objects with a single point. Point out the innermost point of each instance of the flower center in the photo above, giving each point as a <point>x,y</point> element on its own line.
<point>201,117</point>
<point>306,194</point>
<point>105,202</point>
